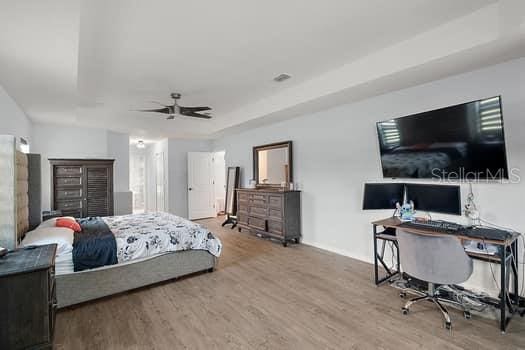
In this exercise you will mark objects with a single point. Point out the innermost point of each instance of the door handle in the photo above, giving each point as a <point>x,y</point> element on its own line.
<point>189,189</point>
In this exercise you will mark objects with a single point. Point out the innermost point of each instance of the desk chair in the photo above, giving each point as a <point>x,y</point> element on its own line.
<point>436,260</point>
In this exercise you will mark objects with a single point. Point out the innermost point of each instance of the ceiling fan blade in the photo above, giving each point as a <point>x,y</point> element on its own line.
<point>195,109</point>
<point>198,115</point>
<point>158,103</point>
<point>165,110</point>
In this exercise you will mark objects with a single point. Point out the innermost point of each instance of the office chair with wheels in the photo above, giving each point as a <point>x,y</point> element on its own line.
<point>437,260</point>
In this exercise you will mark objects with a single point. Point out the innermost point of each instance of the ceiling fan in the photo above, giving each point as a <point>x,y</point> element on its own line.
<point>175,109</point>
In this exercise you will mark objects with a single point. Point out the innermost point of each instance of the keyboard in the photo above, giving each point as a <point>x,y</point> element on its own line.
<point>454,228</point>
<point>435,225</point>
<point>487,233</point>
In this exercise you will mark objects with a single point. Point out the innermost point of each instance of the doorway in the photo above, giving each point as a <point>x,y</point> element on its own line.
<point>137,178</point>
<point>159,182</point>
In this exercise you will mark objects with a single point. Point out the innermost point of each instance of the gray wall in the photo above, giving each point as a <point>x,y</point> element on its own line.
<point>56,141</point>
<point>178,172</point>
<point>336,151</point>
<point>13,121</point>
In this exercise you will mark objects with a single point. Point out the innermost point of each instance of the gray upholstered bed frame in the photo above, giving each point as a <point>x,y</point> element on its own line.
<point>87,285</point>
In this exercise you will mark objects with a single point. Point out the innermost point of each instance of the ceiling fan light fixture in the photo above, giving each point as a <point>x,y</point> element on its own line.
<point>141,144</point>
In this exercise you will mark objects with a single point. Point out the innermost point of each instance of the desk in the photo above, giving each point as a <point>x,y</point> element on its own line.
<point>507,258</point>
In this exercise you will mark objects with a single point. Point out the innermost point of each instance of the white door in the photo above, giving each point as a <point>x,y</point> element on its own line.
<point>200,185</point>
<point>159,182</point>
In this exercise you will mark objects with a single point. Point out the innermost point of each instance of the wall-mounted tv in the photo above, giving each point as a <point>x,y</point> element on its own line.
<point>464,141</point>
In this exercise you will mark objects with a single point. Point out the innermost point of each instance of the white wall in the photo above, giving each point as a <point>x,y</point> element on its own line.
<point>336,151</point>
<point>13,121</point>
<point>56,141</point>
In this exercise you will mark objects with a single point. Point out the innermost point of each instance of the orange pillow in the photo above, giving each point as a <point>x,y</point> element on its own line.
<point>69,223</point>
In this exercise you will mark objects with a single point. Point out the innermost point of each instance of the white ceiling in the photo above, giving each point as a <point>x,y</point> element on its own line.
<point>91,63</point>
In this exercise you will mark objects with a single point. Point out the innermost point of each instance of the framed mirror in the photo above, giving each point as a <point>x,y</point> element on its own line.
<point>272,164</point>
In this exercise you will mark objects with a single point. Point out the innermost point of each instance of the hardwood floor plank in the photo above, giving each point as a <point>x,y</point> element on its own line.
<point>265,296</point>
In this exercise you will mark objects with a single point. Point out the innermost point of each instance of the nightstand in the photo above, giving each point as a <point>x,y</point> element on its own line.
<point>28,298</point>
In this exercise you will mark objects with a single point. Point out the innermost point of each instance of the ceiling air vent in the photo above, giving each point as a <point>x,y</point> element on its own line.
<point>282,77</point>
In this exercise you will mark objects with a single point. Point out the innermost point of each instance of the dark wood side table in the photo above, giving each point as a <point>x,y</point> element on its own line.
<point>28,298</point>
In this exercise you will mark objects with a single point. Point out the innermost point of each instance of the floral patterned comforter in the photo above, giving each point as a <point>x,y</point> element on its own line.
<point>143,235</point>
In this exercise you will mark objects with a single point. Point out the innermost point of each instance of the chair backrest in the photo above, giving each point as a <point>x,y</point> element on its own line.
<point>435,259</point>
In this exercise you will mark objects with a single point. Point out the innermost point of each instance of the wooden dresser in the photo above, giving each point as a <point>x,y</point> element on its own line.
<point>82,187</point>
<point>28,298</point>
<point>271,213</point>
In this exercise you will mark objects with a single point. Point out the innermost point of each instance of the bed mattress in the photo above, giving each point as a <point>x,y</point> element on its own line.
<point>138,237</point>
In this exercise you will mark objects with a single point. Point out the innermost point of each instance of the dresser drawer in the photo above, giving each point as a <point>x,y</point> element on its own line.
<point>257,223</point>
<point>275,227</point>
<point>69,205</point>
<point>242,218</point>
<point>275,213</point>
<point>243,196</point>
<point>258,203</point>
<point>257,211</point>
<point>258,197</point>
<point>69,193</point>
<point>275,201</point>
<point>69,181</point>
<point>68,170</point>
<point>242,206</point>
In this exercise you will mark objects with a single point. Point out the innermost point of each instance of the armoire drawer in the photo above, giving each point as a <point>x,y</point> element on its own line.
<point>76,213</point>
<point>68,181</point>
<point>68,170</point>
<point>69,193</point>
<point>69,205</point>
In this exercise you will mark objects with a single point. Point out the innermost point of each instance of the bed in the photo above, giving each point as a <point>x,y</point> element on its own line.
<point>150,248</point>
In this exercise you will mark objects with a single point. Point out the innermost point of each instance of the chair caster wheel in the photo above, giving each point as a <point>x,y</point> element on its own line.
<point>448,325</point>
<point>285,244</point>
<point>404,311</point>
<point>402,295</point>
<point>467,315</point>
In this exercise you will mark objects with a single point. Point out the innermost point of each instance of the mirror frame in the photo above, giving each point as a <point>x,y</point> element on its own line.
<point>235,170</point>
<point>256,149</point>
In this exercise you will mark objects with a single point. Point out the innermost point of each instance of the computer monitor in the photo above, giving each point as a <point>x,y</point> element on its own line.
<point>444,199</point>
<point>383,195</point>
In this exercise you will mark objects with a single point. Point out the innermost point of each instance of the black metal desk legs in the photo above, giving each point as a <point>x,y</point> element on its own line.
<point>379,258</point>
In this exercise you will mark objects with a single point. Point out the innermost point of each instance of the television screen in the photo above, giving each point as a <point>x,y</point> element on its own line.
<point>435,198</point>
<point>383,196</point>
<point>464,141</point>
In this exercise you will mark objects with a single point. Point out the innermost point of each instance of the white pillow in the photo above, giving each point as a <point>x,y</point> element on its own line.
<point>62,236</point>
<point>51,222</point>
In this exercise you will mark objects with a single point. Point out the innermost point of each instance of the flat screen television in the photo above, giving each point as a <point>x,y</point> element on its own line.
<point>464,141</point>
